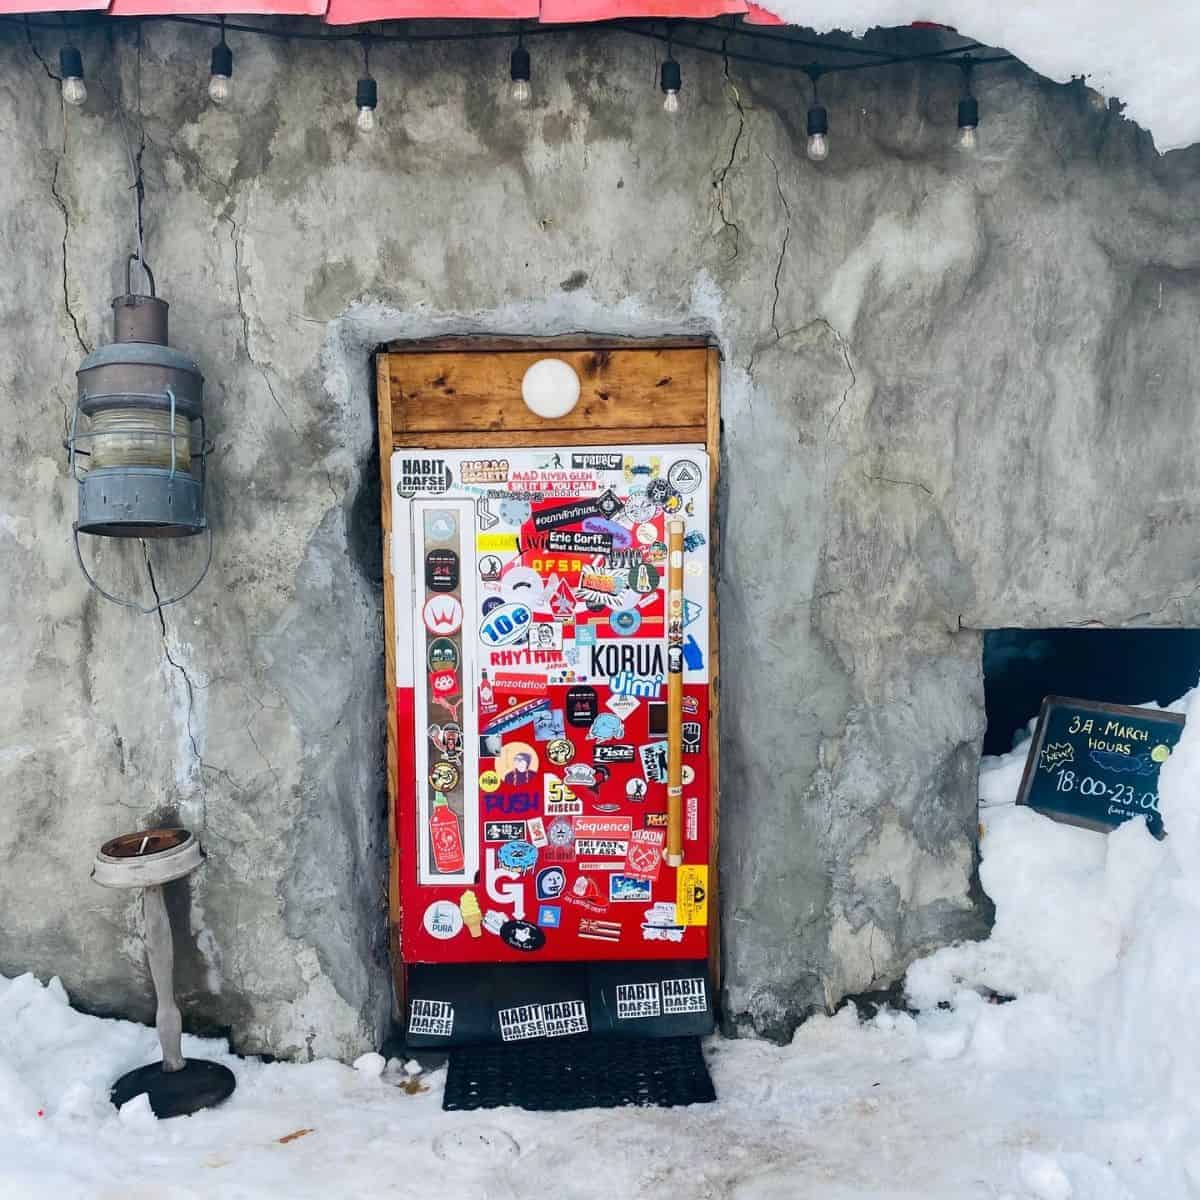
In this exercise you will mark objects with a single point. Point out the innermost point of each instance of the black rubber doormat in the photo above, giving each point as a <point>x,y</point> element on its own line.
<point>558,1074</point>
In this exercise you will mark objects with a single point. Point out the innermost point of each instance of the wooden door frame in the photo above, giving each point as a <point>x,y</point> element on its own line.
<point>705,429</point>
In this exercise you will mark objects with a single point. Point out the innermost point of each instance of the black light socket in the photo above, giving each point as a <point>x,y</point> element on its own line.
<point>70,63</point>
<point>818,120</point>
<point>670,79</point>
<point>367,94</point>
<point>519,65</point>
<point>968,113</point>
<point>222,61</point>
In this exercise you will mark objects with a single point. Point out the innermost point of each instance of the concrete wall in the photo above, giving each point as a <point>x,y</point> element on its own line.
<point>957,394</point>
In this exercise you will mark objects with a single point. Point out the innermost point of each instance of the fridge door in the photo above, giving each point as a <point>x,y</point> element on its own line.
<point>532,682</point>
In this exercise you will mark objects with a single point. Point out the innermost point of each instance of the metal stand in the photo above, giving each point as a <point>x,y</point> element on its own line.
<point>176,1086</point>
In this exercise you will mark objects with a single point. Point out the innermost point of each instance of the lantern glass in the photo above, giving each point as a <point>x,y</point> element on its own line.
<point>139,437</point>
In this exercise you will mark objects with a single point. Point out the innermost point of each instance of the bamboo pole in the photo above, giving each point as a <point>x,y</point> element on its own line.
<point>674,852</point>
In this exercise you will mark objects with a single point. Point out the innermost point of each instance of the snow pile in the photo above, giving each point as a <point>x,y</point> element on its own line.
<point>1059,1060</point>
<point>1144,53</point>
<point>1094,934</point>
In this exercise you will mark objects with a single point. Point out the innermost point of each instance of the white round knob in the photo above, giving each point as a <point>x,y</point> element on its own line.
<point>550,388</point>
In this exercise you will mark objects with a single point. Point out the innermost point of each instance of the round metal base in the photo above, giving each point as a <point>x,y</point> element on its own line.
<point>201,1084</point>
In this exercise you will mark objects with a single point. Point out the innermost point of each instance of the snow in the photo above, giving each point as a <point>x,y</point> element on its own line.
<point>1085,1086</point>
<point>1142,53</point>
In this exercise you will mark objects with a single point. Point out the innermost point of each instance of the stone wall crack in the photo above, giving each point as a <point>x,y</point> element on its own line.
<point>720,176</point>
<point>787,233</point>
<point>914,483</point>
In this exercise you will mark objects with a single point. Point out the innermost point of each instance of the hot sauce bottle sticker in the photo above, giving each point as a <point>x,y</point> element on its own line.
<point>445,837</point>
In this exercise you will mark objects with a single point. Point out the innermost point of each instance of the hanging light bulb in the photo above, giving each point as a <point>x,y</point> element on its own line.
<point>818,120</point>
<point>70,63</point>
<point>366,95</point>
<point>670,80</point>
<point>968,111</point>
<point>518,71</point>
<point>221,71</point>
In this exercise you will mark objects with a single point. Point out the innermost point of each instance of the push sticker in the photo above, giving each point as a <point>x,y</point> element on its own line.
<point>430,1018</point>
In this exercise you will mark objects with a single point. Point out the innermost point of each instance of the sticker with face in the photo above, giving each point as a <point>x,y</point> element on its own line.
<point>639,507</point>
<point>560,751</point>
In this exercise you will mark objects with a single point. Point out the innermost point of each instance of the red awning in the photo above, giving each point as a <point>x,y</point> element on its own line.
<point>354,12</point>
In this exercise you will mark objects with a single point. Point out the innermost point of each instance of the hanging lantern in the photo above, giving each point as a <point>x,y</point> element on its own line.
<point>137,445</point>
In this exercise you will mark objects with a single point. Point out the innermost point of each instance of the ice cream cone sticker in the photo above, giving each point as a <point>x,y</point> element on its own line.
<point>472,917</point>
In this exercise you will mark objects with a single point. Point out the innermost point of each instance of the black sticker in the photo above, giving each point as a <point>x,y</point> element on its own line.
<point>503,831</point>
<point>596,462</point>
<point>582,706</point>
<point>613,752</point>
<point>571,541</point>
<point>657,717</point>
<point>657,491</point>
<point>441,570</point>
<point>521,935</point>
<point>691,737</point>
<point>609,505</point>
<point>568,514</point>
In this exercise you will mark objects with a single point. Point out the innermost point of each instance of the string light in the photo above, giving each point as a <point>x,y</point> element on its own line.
<point>70,65</point>
<point>968,110</point>
<point>518,72</point>
<point>366,95</point>
<point>670,79</point>
<point>818,119</point>
<point>221,71</point>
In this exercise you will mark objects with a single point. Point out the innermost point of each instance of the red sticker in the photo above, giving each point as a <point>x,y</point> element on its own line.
<point>644,857</point>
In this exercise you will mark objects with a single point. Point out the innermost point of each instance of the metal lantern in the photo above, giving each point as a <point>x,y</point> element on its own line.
<point>137,446</point>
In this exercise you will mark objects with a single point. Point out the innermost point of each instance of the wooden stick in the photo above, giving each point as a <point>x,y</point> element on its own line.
<point>674,851</point>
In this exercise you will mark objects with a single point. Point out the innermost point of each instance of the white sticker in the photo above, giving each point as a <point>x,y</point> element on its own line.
<point>684,996</point>
<point>526,1021</point>
<point>443,920</point>
<point>636,1000</point>
<point>432,1018</point>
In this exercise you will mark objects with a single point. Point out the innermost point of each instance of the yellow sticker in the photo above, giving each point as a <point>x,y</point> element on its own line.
<point>691,896</point>
<point>489,781</point>
<point>496,543</point>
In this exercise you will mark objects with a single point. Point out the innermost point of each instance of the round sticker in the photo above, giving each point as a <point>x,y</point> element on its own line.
<point>626,621</point>
<point>1160,754</point>
<point>443,920</point>
<point>443,614</point>
<point>504,625</point>
<point>443,525</point>
<point>684,476</point>
<point>686,774</point>
<point>560,751</point>
<point>490,567</point>
<point>520,935</point>
<point>492,602</point>
<point>443,777</point>
<point>646,533</point>
<point>638,508</point>
<point>635,789</point>
<point>489,781</point>
<point>515,512</point>
<point>443,655</point>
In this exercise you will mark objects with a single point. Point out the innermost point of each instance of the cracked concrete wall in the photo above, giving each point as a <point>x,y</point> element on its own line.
<point>954,397</point>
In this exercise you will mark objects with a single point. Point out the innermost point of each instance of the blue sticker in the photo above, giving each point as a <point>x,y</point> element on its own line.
<point>548,724</point>
<point>490,603</point>
<point>518,856</point>
<point>625,621</point>
<point>549,916</point>
<point>691,611</point>
<point>585,635</point>
<point>628,887</point>
<point>551,883</point>
<point>606,728</point>
<point>693,656</point>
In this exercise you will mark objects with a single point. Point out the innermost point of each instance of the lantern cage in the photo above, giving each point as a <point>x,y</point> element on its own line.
<point>138,445</point>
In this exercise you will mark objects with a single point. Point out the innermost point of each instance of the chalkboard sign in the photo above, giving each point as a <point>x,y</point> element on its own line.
<point>1096,765</point>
